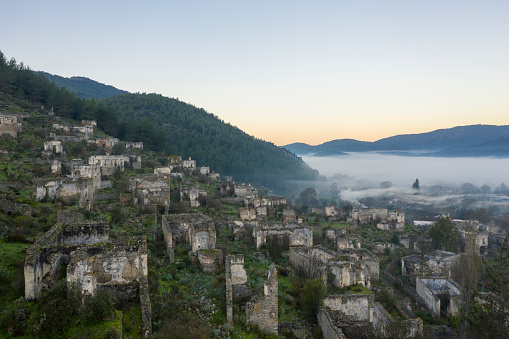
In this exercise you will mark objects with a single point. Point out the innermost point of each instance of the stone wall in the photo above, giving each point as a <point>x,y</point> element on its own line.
<point>210,260</point>
<point>235,276</point>
<point>168,239</point>
<point>108,164</point>
<point>53,146</point>
<point>82,190</point>
<point>441,295</point>
<point>263,311</point>
<point>367,258</point>
<point>150,190</point>
<point>120,267</point>
<point>10,124</point>
<point>43,259</point>
<point>329,328</point>
<point>299,235</point>
<point>131,144</point>
<point>353,307</point>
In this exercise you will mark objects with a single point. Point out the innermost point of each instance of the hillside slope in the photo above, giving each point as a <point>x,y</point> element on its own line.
<point>83,87</point>
<point>167,126</point>
<point>195,133</point>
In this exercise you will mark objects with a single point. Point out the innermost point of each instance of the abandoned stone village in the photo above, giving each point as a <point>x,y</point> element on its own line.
<point>185,250</point>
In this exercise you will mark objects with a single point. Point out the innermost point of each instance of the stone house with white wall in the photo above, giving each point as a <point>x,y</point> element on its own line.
<point>441,295</point>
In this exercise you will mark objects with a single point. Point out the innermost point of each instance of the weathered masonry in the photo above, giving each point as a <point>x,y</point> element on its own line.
<point>94,262</point>
<point>119,267</point>
<point>347,269</point>
<point>263,310</point>
<point>298,235</point>
<point>197,230</point>
<point>150,190</point>
<point>108,164</point>
<point>44,257</point>
<point>10,124</point>
<point>440,294</point>
<point>237,286</point>
<point>359,316</point>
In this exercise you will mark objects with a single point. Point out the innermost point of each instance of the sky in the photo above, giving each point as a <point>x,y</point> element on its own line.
<point>284,71</point>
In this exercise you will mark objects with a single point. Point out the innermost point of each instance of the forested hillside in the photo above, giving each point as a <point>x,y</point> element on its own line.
<point>193,132</point>
<point>83,87</point>
<point>164,125</point>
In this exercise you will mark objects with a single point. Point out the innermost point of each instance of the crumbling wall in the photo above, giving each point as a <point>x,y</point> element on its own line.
<point>210,260</point>
<point>56,167</point>
<point>367,258</point>
<point>203,238</point>
<point>44,257</point>
<point>168,239</point>
<point>353,307</point>
<point>312,261</point>
<point>247,213</point>
<point>10,124</point>
<point>298,235</point>
<point>150,190</point>
<point>263,311</point>
<point>430,289</point>
<point>235,277</point>
<point>132,144</point>
<point>329,329</point>
<point>53,146</point>
<point>120,267</point>
<point>108,164</point>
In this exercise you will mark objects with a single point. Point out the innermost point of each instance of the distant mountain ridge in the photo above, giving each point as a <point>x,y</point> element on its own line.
<point>83,87</point>
<point>459,141</point>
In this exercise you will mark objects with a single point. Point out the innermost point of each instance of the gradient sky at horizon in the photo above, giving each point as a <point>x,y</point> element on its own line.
<point>284,71</point>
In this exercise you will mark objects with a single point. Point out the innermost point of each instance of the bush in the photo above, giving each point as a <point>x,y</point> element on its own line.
<point>312,295</point>
<point>97,309</point>
<point>56,313</point>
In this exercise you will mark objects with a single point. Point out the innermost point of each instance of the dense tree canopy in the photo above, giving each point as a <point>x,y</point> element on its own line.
<point>444,235</point>
<point>164,125</point>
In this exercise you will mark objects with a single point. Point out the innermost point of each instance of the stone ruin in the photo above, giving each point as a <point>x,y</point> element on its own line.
<point>237,286</point>
<point>437,263</point>
<point>243,190</point>
<point>367,214</point>
<point>359,316</point>
<point>108,164</point>
<point>270,202</point>
<point>347,268</point>
<point>93,172</point>
<point>289,216</point>
<point>298,235</point>
<point>82,190</point>
<point>119,267</point>
<point>197,230</point>
<point>133,144</point>
<point>10,124</point>
<point>53,147</point>
<point>189,163</point>
<point>44,257</point>
<point>261,311</point>
<point>440,295</point>
<point>192,193</point>
<point>348,241</point>
<point>56,167</point>
<point>94,262</point>
<point>150,190</point>
<point>106,143</point>
<point>66,133</point>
